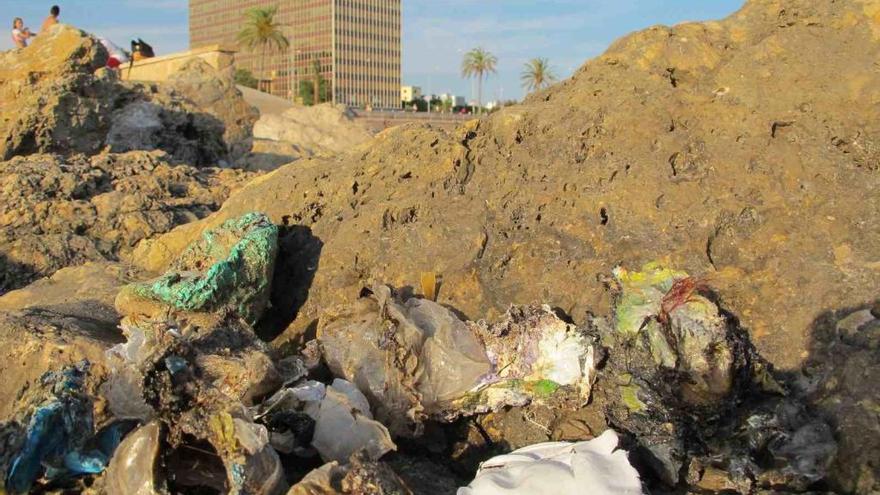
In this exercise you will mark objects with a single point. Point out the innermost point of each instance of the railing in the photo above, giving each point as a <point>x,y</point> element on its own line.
<point>412,116</point>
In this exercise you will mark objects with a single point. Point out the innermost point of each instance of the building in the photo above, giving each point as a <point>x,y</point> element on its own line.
<point>410,93</point>
<point>353,44</point>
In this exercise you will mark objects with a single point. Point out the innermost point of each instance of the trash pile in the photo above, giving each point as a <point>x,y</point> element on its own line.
<point>195,402</point>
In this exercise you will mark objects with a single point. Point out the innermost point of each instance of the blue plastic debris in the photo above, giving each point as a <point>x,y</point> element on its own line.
<point>59,432</point>
<point>175,364</point>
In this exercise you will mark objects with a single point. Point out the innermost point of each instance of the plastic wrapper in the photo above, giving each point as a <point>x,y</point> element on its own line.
<point>595,467</point>
<point>343,423</point>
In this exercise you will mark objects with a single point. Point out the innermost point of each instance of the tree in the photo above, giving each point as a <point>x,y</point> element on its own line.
<point>307,91</point>
<point>243,77</point>
<point>261,32</point>
<point>478,63</point>
<point>537,74</point>
<point>317,80</point>
<point>447,105</point>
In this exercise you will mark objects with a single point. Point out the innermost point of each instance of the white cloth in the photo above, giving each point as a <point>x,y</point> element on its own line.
<point>114,50</point>
<point>594,467</point>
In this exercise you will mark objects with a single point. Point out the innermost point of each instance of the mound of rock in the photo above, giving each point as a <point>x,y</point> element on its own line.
<point>57,99</point>
<point>722,145</point>
<point>742,151</point>
<point>323,129</point>
<point>57,212</point>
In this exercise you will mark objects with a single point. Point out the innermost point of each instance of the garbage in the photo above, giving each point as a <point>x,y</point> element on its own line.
<point>343,424</point>
<point>669,370</point>
<point>534,355</point>
<point>229,269</point>
<point>60,438</point>
<point>414,359</point>
<point>686,383</point>
<point>592,467</point>
<point>409,358</point>
<point>132,469</point>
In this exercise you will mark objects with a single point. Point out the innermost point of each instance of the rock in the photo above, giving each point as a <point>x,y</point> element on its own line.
<point>324,129</point>
<point>52,100</point>
<point>84,292</point>
<point>57,212</point>
<point>36,341</point>
<point>359,476</point>
<point>58,102</point>
<point>840,380</point>
<point>214,93</point>
<point>615,165</point>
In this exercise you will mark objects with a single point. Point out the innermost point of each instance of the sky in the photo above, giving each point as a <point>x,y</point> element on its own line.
<point>436,33</point>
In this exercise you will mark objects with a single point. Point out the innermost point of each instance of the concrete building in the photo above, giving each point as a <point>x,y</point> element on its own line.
<point>355,45</point>
<point>410,93</point>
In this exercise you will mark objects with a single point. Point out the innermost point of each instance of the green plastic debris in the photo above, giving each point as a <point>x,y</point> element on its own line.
<point>642,294</point>
<point>230,267</point>
<point>545,388</point>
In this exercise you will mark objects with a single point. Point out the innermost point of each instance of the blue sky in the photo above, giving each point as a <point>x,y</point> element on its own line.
<point>436,32</point>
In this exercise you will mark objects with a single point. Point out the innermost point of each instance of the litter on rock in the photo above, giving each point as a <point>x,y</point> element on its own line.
<point>595,467</point>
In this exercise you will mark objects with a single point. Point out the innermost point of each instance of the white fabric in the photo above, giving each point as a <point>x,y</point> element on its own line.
<point>114,50</point>
<point>594,467</point>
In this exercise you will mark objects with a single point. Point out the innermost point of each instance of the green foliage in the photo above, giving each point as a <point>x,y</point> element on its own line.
<point>478,63</point>
<point>244,77</point>
<point>307,91</point>
<point>261,31</point>
<point>537,74</point>
<point>421,105</point>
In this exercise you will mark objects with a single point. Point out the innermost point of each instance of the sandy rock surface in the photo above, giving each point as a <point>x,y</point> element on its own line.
<point>57,98</point>
<point>742,150</point>
<point>57,212</point>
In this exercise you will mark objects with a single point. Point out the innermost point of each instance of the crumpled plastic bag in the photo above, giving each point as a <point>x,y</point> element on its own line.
<point>662,310</point>
<point>533,354</point>
<point>343,424</point>
<point>132,470</point>
<point>409,358</point>
<point>60,438</point>
<point>594,467</point>
<point>415,359</point>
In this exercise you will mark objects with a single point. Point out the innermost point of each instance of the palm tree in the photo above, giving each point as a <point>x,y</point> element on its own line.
<point>478,63</point>
<point>537,74</point>
<point>262,32</point>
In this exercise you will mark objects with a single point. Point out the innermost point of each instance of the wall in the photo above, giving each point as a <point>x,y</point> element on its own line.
<point>159,68</point>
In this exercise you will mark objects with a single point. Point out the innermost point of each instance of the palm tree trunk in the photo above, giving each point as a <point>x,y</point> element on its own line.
<point>262,70</point>
<point>480,93</point>
<point>315,86</point>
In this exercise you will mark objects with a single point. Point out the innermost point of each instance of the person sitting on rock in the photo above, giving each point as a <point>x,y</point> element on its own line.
<point>51,19</point>
<point>20,34</point>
